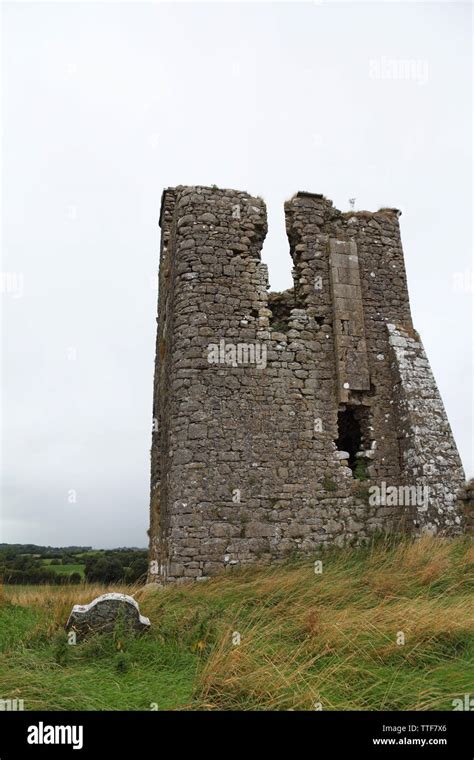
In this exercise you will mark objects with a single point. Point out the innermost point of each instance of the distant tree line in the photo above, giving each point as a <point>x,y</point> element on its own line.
<point>25,564</point>
<point>112,567</point>
<point>46,552</point>
<point>38,575</point>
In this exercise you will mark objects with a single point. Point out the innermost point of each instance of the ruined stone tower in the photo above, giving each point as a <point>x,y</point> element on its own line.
<point>287,421</point>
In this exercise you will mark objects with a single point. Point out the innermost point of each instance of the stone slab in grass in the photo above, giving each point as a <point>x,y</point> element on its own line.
<point>106,613</point>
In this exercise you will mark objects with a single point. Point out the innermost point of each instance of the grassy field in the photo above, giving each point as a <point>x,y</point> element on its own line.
<point>65,569</point>
<point>278,638</point>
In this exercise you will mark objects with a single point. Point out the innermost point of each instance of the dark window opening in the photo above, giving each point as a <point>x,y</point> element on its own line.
<point>349,434</point>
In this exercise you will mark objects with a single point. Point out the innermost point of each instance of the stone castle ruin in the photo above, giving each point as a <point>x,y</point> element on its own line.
<point>284,422</point>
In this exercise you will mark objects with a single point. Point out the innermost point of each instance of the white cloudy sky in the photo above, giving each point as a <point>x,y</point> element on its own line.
<point>104,105</point>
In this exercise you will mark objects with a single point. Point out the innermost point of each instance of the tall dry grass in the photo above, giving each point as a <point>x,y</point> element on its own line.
<point>306,640</point>
<point>334,641</point>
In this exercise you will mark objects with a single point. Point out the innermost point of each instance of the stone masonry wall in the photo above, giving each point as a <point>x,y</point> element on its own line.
<point>254,392</point>
<point>429,454</point>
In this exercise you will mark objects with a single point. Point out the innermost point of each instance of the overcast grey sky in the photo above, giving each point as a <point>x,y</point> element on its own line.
<point>103,106</point>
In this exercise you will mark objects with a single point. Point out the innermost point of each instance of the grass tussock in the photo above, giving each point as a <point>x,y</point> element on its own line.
<point>386,627</point>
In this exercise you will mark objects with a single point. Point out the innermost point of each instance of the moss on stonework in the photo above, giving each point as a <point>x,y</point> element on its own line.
<point>362,492</point>
<point>279,326</point>
<point>360,469</point>
<point>328,484</point>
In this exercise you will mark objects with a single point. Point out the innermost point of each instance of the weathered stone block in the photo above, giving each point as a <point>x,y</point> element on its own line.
<point>105,614</point>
